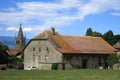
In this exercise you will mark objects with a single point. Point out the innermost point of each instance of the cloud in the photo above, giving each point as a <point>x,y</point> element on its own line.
<point>43,15</point>
<point>115,13</point>
<point>12,29</point>
<point>11,9</point>
<point>35,28</point>
<point>27,29</point>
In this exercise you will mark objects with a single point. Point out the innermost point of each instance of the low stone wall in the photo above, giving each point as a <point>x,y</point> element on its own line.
<point>3,66</point>
<point>116,66</point>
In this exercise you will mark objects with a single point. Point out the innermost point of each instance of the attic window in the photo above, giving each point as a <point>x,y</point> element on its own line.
<point>47,50</point>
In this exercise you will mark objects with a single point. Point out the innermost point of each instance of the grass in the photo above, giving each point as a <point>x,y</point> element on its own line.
<point>82,74</point>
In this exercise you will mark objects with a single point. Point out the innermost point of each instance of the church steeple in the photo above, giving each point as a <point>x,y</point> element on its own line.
<point>20,39</point>
<point>20,32</point>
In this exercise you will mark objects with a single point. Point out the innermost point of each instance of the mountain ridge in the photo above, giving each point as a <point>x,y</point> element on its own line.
<point>9,41</point>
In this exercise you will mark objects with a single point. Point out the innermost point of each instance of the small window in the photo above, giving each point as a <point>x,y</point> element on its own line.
<point>39,50</point>
<point>46,57</point>
<point>47,50</point>
<point>17,42</point>
<point>33,58</point>
<point>39,57</point>
<point>33,49</point>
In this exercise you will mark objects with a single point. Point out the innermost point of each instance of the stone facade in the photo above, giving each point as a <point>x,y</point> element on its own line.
<point>78,61</point>
<point>50,50</point>
<point>41,54</point>
<point>117,47</point>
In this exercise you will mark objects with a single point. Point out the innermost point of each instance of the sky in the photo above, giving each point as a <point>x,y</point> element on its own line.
<point>68,17</point>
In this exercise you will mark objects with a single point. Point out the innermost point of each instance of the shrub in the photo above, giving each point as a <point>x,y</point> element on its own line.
<point>54,66</point>
<point>112,59</point>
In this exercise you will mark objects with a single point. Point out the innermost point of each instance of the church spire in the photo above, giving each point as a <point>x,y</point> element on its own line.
<point>20,33</point>
<point>20,39</point>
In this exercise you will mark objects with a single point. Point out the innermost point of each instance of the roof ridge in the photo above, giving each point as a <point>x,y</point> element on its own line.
<point>81,36</point>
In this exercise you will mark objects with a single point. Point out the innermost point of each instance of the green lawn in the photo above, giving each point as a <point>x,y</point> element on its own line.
<point>82,74</point>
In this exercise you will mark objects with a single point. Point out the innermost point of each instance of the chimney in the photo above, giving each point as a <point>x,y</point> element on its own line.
<point>53,30</point>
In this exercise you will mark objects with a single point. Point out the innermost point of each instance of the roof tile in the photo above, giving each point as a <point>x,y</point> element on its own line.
<point>77,44</point>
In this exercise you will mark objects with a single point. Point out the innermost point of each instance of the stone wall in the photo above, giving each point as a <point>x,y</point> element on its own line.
<point>77,61</point>
<point>39,52</point>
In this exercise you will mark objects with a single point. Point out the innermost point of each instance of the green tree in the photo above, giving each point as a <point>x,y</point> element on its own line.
<point>109,37</point>
<point>113,59</point>
<point>96,34</point>
<point>116,38</point>
<point>89,32</point>
<point>16,60</point>
<point>3,54</point>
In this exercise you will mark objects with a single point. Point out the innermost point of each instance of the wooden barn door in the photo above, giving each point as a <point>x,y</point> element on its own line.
<point>84,63</point>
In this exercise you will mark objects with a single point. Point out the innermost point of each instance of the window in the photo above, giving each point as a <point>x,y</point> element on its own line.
<point>33,49</point>
<point>39,50</point>
<point>39,57</point>
<point>17,42</point>
<point>47,50</point>
<point>33,58</point>
<point>46,57</point>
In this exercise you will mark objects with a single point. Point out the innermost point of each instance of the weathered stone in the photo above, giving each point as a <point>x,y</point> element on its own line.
<point>116,66</point>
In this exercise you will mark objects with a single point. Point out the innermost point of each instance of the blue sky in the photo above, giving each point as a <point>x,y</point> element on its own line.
<point>70,17</point>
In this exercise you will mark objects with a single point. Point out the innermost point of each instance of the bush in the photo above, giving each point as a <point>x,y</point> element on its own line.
<point>112,59</point>
<point>54,66</point>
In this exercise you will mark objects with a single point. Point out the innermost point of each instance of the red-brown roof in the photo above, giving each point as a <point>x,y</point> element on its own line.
<point>77,44</point>
<point>117,45</point>
<point>13,51</point>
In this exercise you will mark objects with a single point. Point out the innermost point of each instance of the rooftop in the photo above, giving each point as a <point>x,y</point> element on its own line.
<point>76,44</point>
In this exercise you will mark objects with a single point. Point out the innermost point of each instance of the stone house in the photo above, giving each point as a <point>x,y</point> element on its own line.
<point>68,52</point>
<point>117,46</point>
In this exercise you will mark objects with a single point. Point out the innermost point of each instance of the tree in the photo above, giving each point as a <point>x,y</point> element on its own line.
<point>109,37</point>
<point>96,34</point>
<point>3,54</point>
<point>89,32</point>
<point>113,59</point>
<point>16,60</point>
<point>116,38</point>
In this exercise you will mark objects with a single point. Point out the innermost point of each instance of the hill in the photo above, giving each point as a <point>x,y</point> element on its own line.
<point>9,41</point>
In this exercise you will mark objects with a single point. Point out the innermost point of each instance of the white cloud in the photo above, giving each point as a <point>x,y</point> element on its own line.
<point>12,29</point>
<point>98,6</point>
<point>47,14</point>
<point>115,13</point>
<point>27,29</point>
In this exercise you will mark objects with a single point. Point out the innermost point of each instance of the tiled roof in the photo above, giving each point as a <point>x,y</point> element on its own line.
<point>13,51</point>
<point>117,45</point>
<point>77,44</point>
